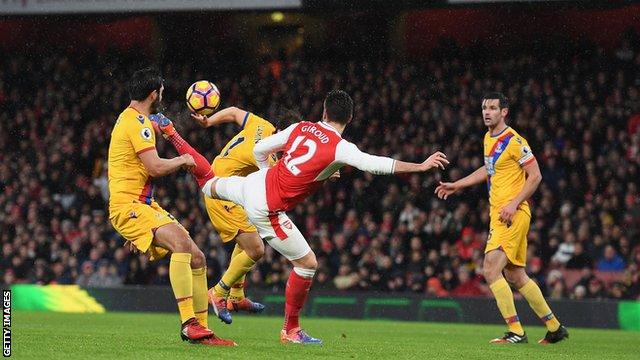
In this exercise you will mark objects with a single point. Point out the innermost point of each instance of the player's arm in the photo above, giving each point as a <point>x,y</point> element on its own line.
<point>271,144</point>
<point>447,188</point>
<point>534,177</point>
<point>519,151</point>
<point>143,141</point>
<point>228,115</point>
<point>348,153</point>
<point>157,166</point>
<point>436,160</point>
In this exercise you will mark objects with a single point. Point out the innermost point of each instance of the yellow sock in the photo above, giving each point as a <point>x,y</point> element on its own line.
<point>238,268</point>
<point>182,284</point>
<point>532,293</point>
<point>236,250</point>
<point>504,297</point>
<point>200,300</point>
<point>185,307</point>
<point>237,290</point>
<point>222,290</point>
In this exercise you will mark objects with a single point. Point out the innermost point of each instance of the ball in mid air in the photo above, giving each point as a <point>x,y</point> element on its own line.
<point>203,97</point>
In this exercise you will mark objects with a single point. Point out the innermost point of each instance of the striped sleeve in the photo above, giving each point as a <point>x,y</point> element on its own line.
<point>520,151</point>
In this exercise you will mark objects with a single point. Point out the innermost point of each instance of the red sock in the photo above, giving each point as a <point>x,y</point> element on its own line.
<point>295,295</point>
<point>202,171</point>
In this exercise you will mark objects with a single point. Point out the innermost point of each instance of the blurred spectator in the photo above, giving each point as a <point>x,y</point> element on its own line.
<point>106,276</point>
<point>595,290</point>
<point>346,278</point>
<point>161,277</point>
<point>86,274</point>
<point>610,260</point>
<point>579,259</point>
<point>467,244</point>
<point>469,286</point>
<point>135,275</point>
<point>434,288</point>
<point>579,293</point>
<point>61,274</point>
<point>565,251</point>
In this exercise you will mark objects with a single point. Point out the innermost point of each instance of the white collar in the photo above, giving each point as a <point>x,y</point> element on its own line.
<point>329,127</point>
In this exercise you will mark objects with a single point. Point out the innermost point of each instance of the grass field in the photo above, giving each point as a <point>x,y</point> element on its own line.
<point>155,336</point>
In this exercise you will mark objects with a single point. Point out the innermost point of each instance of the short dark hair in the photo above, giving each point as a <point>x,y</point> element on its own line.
<point>339,106</point>
<point>286,117</point>
<point>502,100</point>
<point>143,82</point>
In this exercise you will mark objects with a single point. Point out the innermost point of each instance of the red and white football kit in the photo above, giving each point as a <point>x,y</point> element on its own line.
<point>312,153</point>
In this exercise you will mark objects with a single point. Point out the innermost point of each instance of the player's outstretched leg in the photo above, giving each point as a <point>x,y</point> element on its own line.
<point>530,291</point>
<point>296,293</point>
<point>202,171</point>
<point>494,262</point>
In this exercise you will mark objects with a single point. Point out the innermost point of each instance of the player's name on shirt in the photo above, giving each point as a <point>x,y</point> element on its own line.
<point>324,138</point>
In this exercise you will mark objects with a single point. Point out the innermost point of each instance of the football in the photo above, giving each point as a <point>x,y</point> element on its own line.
<point>203,97</point>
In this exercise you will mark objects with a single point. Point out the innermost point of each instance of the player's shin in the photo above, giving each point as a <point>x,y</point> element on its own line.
<point>296,293</point>
<point>534,297</point>
<point>182,284</point>
<point>237,289</point>
<point>200,300</point>
<point>238,267</point>
<point>504,298</point>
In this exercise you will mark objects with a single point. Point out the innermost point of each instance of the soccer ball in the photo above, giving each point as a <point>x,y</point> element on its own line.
<point>203,97</point>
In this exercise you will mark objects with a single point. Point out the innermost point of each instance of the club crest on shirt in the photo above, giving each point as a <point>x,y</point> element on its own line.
<point>146,134</point>
<point>140,118</point>
<point>501,147</point>
<point>287,224</point>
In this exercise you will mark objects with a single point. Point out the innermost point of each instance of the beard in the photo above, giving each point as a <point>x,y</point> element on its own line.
<point>156,106</point>
<point>491,122</point>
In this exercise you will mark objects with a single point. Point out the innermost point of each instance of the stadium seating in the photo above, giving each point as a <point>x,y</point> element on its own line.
<point>370,233</point>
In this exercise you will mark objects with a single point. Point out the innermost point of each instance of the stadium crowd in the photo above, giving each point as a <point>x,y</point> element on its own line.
<point>579,108</point>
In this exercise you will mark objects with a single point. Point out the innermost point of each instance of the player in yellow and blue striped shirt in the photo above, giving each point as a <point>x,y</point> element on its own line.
<point>512,175</point>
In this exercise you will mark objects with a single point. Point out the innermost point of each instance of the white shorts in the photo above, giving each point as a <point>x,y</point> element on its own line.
<point>275,228</point>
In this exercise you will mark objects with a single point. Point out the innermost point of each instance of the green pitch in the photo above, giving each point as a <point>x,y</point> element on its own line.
<point>155,336</point>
